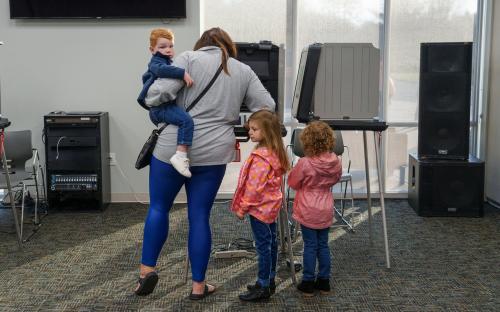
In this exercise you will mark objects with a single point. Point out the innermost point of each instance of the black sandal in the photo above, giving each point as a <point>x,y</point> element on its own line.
<point>203,295</point>
<point>147,284</point>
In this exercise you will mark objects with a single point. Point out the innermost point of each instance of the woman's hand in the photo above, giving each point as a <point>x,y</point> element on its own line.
<point>188,80</point>
<point>239,214</point>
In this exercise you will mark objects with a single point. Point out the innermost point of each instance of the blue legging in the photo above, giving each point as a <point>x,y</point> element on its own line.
<point>201,189</point>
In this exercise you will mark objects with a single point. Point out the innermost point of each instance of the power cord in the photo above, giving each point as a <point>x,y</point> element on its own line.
<point>57,146</point>
<point>129,184</point>
<point>237,244</point>
<point>243,244</point>
<point>44,135</point>
<point>222,201</point>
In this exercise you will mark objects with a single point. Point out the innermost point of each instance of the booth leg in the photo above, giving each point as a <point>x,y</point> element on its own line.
<point>368,191</point>
<point>382,202</point>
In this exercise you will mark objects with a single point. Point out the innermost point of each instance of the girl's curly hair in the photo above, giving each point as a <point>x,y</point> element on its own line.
<point>317,138</point>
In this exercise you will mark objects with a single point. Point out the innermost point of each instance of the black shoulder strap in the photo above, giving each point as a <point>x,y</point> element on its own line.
<point>206,89</point>
<point>199,96</point>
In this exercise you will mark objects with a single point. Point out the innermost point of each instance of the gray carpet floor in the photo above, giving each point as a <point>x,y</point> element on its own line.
<point>88,261</point>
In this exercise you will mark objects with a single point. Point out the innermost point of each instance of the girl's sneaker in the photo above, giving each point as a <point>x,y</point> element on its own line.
<point>272,286</point>
<point>257,293</point>
<point>307,287</point>
<point>323,285</point>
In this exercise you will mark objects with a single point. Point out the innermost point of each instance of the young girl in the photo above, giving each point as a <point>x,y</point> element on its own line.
<point>312,178</point>
<point>259,195</point>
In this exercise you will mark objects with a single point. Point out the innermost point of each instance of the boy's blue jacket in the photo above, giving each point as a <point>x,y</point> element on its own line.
<point>158,67</point>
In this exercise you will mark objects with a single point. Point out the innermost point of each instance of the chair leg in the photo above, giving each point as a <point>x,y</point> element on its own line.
<point>37,199</point>
<point>43,185</point>
<point>343,198</point>
<point>352,194</point>
<point>293,224</point>
<point>296,225</point>
<point>44,193</point>
<point>283,215</point>
<point>22,209</point>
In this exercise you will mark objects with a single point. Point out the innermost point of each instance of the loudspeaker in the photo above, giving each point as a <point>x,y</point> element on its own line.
<point>76,153</point>
<point>445,188</point>
<point>444,100</point>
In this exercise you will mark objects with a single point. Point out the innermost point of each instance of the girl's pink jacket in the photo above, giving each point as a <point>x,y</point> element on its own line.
<point>313,178</point>
<point>259,186</point>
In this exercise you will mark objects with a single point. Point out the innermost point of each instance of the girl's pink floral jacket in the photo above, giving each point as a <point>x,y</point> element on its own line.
<point>313,178</point>
<point>259,186</point>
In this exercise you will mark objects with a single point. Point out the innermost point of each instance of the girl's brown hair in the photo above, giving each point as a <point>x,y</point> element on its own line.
<point>269,124</point>
<point>219,38</point>
<point>317,138</point>
<point>160,33</point>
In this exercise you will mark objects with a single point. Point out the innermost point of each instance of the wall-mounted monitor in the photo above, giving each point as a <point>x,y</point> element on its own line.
<point>69,9</point>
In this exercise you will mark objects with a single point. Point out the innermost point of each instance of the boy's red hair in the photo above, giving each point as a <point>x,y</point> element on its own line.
<point>160,33</point>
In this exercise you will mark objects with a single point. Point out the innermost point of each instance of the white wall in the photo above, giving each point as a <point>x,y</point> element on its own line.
<point>93,65</point>
<point>493,132</point>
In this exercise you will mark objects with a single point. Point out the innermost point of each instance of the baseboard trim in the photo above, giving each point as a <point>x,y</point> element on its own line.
<point>493,202</point>
<point>181,197</point>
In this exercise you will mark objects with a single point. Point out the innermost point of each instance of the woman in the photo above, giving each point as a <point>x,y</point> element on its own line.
<point>212,148</point>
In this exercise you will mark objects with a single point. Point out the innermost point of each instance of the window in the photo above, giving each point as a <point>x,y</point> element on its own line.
<point>413,22</point>
<point>247,21</point>
<point>338,21</point>
<point>357,21</point>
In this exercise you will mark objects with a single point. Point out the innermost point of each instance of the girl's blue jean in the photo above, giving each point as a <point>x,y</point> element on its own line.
<point>173,114</point>
<point>267,249</point>
<point>315,248</point>
<point>201,189</point>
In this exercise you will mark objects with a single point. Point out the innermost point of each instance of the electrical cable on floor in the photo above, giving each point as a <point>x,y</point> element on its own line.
<point>219,247</point>
<point>237,244</point>
<point>222,201</point>
<point>242,244</point>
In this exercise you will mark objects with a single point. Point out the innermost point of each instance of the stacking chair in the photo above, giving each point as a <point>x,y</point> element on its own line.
<point>297,150</point>
<point>18,150</point>
<point>346,178</point>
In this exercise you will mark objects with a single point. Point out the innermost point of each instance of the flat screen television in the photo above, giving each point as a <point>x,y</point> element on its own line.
<point>68,9</point>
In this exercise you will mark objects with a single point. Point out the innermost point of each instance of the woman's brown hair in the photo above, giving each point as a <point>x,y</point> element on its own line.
<point>317,138</point>
<point>269,124</point>
<point>219,38</point>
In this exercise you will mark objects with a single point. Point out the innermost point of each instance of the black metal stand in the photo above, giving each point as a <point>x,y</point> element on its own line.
<point>4,123</point>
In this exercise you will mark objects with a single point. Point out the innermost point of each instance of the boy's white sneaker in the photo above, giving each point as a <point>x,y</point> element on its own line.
<point>181,164</point>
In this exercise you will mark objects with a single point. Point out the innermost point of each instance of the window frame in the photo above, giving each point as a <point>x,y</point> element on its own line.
<point>479,75</point>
